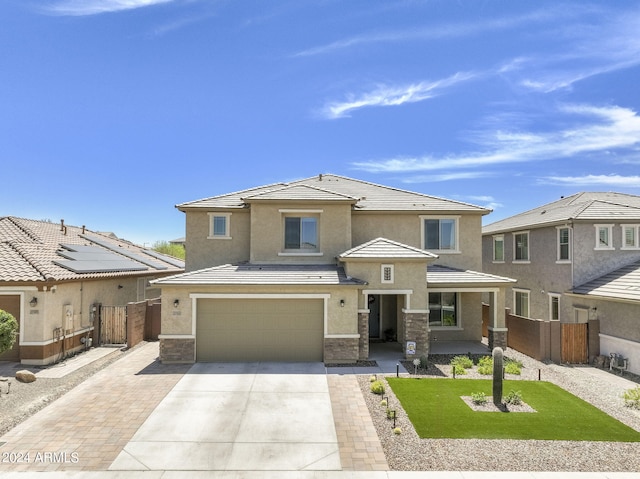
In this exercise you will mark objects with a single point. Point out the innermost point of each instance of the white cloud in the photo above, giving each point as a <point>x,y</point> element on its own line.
<point>590,180</point>
<point>465,175</point>
<point>93,7</point>
<point>392,95</point>
<point>430,32</point>
<point>599,130</point>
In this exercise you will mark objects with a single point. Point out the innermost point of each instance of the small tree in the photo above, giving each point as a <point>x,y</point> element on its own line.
<point>8,331</point>
<point>497,376</point>
<point>171,249</point>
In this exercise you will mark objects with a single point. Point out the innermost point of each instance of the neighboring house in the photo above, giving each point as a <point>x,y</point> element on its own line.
<point>575,259</point>
<point>314,269</point>
<point>52,275</point>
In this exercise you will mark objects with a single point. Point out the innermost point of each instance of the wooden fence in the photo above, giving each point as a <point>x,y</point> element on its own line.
<point>575,343</point>
<point>113,324</point>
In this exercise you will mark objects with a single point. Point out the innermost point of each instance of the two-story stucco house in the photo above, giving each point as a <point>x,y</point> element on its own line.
<point>575,259</point>
<point>312,270</point>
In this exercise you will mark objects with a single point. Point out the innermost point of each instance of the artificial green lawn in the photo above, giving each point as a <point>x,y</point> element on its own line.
<point>436,410</point>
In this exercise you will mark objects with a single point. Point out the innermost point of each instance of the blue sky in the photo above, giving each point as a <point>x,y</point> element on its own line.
<point>114,111</point>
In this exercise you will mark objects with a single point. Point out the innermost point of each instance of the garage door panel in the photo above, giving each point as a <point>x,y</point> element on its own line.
<point>260,329</point>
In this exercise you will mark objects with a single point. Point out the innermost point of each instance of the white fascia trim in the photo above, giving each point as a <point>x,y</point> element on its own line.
<point>15,289</point>
<point>417,311</point>
<point>293,210</point>
<point>342,336</point>
<point>498,330</point>
<point>176,336</point>
<point>464,290</point>
<point>300,254</point>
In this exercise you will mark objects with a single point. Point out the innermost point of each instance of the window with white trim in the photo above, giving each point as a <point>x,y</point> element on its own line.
<point>521,246</point>
<point>386,273</point>
<point>521,302</point>
<point>440,233</point>
<point>443,309</point>
<point>301,233</point>
<point>554,307</point>
<point>498,249</point>
<point>630,237</point>
<point>604,236</point>
<point>564,244</point>
<point>219,225</point>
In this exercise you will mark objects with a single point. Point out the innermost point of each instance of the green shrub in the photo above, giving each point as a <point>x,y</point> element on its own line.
<point>485,365</point>
<point>8,331</point>
<point>372,378</point>
<point>479,398</point>
<point>397,431</point>
<point>513,397</point>
<point>377,387</point>
<point>632,398</point>
<point>512,367</point>
<point>458,369</point>
<point>383,403</point>
<point>423,362</point>
<point>391,413</point>
<point>464,361</point>
<point>485,361</point>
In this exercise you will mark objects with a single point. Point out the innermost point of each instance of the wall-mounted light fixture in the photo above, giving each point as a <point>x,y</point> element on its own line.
<point>176,303</point>
<point>120,286</point>
<point>342,303</point>
<point>33,302</point>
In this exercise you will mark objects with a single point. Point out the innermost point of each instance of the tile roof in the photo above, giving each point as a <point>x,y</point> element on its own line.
<point>264,274</point>
<point>31,250</point>
<point>369,196</point>
<point>381,248</point>
<point>300,193</point>
<point>441,275</point>
<point>587,206</point>
<point>623,283</point>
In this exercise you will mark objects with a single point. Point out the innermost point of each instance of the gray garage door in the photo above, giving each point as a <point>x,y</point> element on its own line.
<point>259,330</point>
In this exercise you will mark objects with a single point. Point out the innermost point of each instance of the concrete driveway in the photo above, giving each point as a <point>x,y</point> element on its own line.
<point>239,417</point>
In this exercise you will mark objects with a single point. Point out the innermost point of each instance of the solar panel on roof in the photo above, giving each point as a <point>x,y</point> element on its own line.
<point>167,259</point>
<point>125,252</point>
<point>92,259</point>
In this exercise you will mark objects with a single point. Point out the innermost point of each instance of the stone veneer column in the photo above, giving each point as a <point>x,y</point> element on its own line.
<point>497,338</point>
<point>177,350</point>
<point>416,328</point>
<point>363,330</point>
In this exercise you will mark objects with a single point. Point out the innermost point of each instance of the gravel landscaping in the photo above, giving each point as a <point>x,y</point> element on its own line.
<point>407,451</point>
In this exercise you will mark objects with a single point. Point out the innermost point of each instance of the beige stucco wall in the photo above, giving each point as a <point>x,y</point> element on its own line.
<point>340,319</point>
<point>41,320</point>
<point>267,232</point>
<point>407,276</point>
<point>203,251</point>
<point>406,228</point>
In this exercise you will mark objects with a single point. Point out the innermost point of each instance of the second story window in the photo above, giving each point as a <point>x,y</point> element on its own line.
<point>440,234</point>
<point>219,225</point>
<point>498,249</point>
<point>521,246</point>
<point>630,235</point>
<point>604,238</point>
<point>301,233</point>
<point>564,245</point>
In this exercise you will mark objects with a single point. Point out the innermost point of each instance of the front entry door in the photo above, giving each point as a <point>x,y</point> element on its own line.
<point>374,316</point>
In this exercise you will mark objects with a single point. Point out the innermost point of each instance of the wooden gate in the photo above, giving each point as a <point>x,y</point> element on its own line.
<point>113,324</point>
<point>574,343</point>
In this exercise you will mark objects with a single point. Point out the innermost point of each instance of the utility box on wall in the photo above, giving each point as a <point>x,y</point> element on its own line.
<point>67,320</point>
